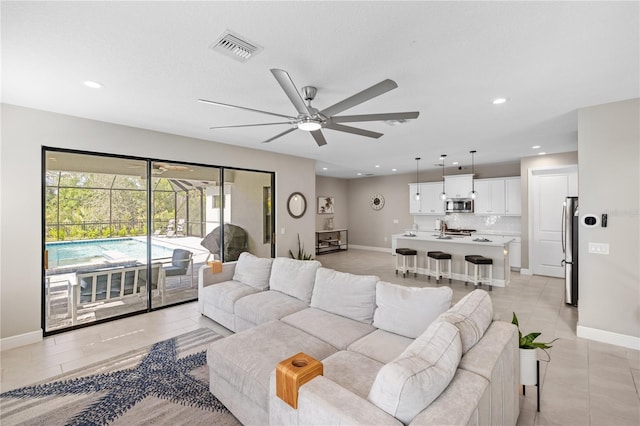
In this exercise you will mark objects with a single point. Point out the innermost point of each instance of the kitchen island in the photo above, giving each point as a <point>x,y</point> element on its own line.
<point>496,248</point>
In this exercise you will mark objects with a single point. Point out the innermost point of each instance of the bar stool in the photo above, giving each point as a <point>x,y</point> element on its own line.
<point>478,261</point>
<point>438,257</point>
<point>404,254</point>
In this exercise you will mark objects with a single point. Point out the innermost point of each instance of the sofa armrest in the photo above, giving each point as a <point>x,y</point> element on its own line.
<point>466,401</point>
<point>207,278</point>
<point>322,402</point>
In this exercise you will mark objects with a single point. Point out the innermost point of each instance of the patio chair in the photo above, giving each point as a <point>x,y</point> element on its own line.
<point>181,260</point>
<point>180,227</point>
<point>171,228</point>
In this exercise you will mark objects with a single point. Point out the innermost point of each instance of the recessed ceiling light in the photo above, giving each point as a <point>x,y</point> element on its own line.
<point>498,101</point>
<point>455,163</point>
<point>541,153</point>
<point>324,168</point>
<point>394,170</point>
<point>377,166</point>
<point>93,84</point>
<point>535,147</point>
<point>359,174</point>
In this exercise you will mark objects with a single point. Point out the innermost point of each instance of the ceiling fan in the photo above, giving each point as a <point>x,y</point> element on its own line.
<point>312,120</point>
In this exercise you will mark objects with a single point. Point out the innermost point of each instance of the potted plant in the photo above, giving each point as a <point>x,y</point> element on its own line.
<point>301,255</point>
<point>528,354</point>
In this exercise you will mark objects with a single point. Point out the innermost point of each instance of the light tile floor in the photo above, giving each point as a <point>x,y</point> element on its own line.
<point>586,382</point>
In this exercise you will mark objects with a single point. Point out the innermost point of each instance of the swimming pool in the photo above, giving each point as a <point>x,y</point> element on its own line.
<point>70,253</point>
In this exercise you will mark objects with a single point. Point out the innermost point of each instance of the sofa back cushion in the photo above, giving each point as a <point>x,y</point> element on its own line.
<point>408,311</point>
<point>472,315</point>
<point>253,271</point>
<point>348,295</point>
<point>412,381</point>
<point>294,277</point>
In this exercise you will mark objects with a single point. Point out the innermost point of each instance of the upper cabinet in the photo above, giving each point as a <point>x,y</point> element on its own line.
<point>429,202</point>
<point>490,199</point>
<point>513,204</point>
<point>498,196</point>
<point>458,186</point>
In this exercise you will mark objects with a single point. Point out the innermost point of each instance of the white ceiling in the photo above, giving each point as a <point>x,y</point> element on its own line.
<point>450,60</point>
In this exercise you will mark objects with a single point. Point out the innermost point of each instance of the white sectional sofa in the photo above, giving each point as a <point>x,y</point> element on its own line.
<point>391,354</point>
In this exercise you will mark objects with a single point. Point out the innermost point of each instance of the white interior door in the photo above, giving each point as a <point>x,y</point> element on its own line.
<point>548,189</point>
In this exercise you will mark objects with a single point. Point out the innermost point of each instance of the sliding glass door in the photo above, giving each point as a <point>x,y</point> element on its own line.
<point>127,235</point>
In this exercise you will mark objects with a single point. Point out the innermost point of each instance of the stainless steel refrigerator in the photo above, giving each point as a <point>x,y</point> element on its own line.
<point>570,223</point>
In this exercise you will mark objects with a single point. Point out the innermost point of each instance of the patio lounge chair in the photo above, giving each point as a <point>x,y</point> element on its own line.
<point>171,228</point>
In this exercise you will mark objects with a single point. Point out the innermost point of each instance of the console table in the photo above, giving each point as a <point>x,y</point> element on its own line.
<point>331,241</point>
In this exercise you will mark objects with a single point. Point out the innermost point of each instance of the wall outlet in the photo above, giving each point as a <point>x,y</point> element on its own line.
<point>396,221</point>
<point>599,248</point>
<point>282,231</point>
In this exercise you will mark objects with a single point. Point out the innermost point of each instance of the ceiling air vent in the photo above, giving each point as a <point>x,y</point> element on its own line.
<point>236,47</point>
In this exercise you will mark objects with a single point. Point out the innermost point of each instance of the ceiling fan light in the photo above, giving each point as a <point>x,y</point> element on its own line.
<point>309,125</point>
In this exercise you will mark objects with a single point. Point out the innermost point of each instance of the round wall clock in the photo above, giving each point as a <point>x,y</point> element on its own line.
<point>377,201</point>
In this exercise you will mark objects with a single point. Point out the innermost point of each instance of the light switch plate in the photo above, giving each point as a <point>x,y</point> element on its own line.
<point>599,248</point>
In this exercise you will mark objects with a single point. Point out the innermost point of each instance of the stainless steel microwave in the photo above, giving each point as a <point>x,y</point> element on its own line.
<point>458,205</point>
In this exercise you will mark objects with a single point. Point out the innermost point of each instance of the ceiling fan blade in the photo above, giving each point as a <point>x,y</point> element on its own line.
<point>290,89</point>
<point>280,134</point>
<point>319,137</point>
<point>354,130</point>
<point>370,93</point>
<point>204,101</point>
<point>250,125</point>
<point>376,117</point>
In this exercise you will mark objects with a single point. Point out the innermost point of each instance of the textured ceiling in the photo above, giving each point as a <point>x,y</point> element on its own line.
<point>450,59</point>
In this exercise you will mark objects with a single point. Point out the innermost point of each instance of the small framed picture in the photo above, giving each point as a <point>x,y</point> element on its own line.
<point>326,205</point>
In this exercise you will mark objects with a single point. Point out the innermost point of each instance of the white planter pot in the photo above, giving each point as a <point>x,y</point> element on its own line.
<point>528,358</point>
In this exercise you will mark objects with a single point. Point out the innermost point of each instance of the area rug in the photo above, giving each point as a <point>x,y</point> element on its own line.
<point>165,384</point>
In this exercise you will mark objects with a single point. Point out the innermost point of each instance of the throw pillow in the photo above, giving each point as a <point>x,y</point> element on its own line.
<point>294,277</point>
<point>411,382</point>
<point>253,271</point>
<point>472,315</point>
<point>348,295</point>
<point>408,311</point>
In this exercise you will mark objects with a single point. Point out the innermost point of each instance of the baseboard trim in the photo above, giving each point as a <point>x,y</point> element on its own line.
<point>524,271</point>
<point>610,337</point>
<point>370,248</point>
<point>13,342</point>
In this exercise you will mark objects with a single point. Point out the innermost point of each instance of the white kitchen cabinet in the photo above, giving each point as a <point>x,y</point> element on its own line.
<point>491,196</point>
<point>515,253</point>
<point>512,196</point>
<point>429,202</point>
<point>458,186</point>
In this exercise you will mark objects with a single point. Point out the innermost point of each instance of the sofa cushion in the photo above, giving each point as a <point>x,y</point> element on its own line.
<point>253,271</point>
<point>408,384</point>
<point>336,330</point>
<point>245,360</point>
<point>352,371</point>
<point>224,295</point>
<point>408,311</point>
<point>266,306</point>
<point>381,345</point>
<point>349,295</point>
<point>472,315</point>
<point>294,277</point>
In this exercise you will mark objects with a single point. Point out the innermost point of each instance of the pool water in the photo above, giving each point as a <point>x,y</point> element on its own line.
<point>67,253</point>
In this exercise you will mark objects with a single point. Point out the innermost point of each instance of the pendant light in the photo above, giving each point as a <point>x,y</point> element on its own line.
<point>417,196</point>
<point>473,194</point>
<point>443,194</point>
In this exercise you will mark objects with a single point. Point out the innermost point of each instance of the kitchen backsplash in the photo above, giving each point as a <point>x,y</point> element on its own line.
<point>495,223</point>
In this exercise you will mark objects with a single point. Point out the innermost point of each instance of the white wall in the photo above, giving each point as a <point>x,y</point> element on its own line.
<point>25,131</point>
<point>609,182</point>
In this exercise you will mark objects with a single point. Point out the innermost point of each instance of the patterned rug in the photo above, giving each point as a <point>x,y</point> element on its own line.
<point>166,383</point>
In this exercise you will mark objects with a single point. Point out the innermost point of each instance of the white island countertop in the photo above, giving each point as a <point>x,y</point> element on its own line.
<point>493,241</point>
